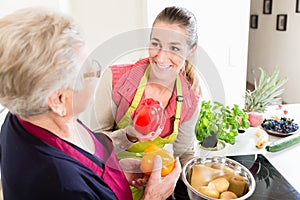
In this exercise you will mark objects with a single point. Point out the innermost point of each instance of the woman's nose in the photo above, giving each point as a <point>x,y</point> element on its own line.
<point>162,55</point>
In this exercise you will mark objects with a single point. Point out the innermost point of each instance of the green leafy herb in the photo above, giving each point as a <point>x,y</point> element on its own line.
<point>223,120</point>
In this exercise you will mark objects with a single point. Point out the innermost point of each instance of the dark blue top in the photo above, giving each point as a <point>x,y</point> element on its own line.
<point>33,170</point>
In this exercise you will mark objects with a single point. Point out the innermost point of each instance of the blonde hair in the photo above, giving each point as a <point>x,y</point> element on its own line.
<point>38,56</point>
<point>187,20</point>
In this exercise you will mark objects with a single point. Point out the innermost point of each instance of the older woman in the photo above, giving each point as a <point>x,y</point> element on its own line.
<point>47,80</point>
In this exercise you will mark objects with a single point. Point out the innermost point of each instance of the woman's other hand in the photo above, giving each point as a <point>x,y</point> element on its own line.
<point>147,121</point>
<point>133,173</point>
<point>133,135</point>
<point>158,187</point>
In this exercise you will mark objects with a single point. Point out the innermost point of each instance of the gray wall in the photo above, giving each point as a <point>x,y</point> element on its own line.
<point>269,47</point>
<point>223,29</point>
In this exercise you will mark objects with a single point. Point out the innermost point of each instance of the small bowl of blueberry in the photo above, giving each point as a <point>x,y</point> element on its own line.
<point>282,126</point>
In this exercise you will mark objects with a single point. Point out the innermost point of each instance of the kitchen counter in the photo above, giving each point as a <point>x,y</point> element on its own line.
<point>284,161</point>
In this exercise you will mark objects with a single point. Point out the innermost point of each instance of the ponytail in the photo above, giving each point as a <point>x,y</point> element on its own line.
<point>192,77</point>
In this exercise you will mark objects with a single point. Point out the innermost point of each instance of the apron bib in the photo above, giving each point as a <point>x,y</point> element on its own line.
<point>136,150</point>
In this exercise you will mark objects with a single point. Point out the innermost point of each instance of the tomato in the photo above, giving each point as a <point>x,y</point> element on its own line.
<point>150,153</point>
<point>148,116</point>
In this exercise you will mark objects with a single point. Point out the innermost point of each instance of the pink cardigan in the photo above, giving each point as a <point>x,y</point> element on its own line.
<point>126,79</point>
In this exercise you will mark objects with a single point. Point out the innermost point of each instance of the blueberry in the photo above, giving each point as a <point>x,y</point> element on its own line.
<point>284,125</point>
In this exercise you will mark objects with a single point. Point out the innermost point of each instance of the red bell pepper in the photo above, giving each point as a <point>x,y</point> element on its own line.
<point>148,116</point>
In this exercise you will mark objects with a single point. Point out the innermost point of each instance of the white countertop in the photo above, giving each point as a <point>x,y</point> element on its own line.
<point>284,161</point>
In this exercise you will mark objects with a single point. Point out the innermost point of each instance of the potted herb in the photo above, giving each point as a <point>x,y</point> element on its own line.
<point>220,121</point>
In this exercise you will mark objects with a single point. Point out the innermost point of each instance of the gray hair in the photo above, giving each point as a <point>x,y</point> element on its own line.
<point>38,56</point>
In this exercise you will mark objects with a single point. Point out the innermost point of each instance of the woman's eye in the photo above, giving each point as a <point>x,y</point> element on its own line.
<point>175,48</point>
<point>154,44</point>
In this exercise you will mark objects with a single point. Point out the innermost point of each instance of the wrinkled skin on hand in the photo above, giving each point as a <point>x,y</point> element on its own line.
<point>156,186</point>
<point>150,153</point>
<point>159,187</point>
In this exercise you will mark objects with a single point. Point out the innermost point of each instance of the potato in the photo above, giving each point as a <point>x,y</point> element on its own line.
<point>228,176</point>
<point>211,165</point>
<point>221,184</point>
<point>228,170</point>
<point>202,174</point>
<point>224,170</point>
<point>228,195</point>
<point>217,181</point>
<point>209,191</point>
<point>238,185</point>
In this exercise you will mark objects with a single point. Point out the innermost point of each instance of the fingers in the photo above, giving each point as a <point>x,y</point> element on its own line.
<point>131,131</point>
<point>156,171</point>
<point>153,135</point>
<point>172,178</point>
<point>140,182</point>
<point>162,187</point>
<point>149,137</point>
<point>177,169</point>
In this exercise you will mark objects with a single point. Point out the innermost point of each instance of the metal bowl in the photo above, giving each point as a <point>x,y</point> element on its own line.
<point>238,168</point>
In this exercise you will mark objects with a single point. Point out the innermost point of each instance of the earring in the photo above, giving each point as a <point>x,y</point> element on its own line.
<point>63,113</point>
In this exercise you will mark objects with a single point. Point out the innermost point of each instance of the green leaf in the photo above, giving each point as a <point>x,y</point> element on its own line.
<point>221,119</point>
<point>267,92</point>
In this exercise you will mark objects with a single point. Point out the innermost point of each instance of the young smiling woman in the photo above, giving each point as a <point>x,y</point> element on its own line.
<point>168,76</point>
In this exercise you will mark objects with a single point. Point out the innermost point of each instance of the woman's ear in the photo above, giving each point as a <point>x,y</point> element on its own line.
<point>193,50</point>
<point>57,102</point>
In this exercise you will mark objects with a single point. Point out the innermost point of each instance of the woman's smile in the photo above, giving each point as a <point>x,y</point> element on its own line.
<point>162,67</point>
